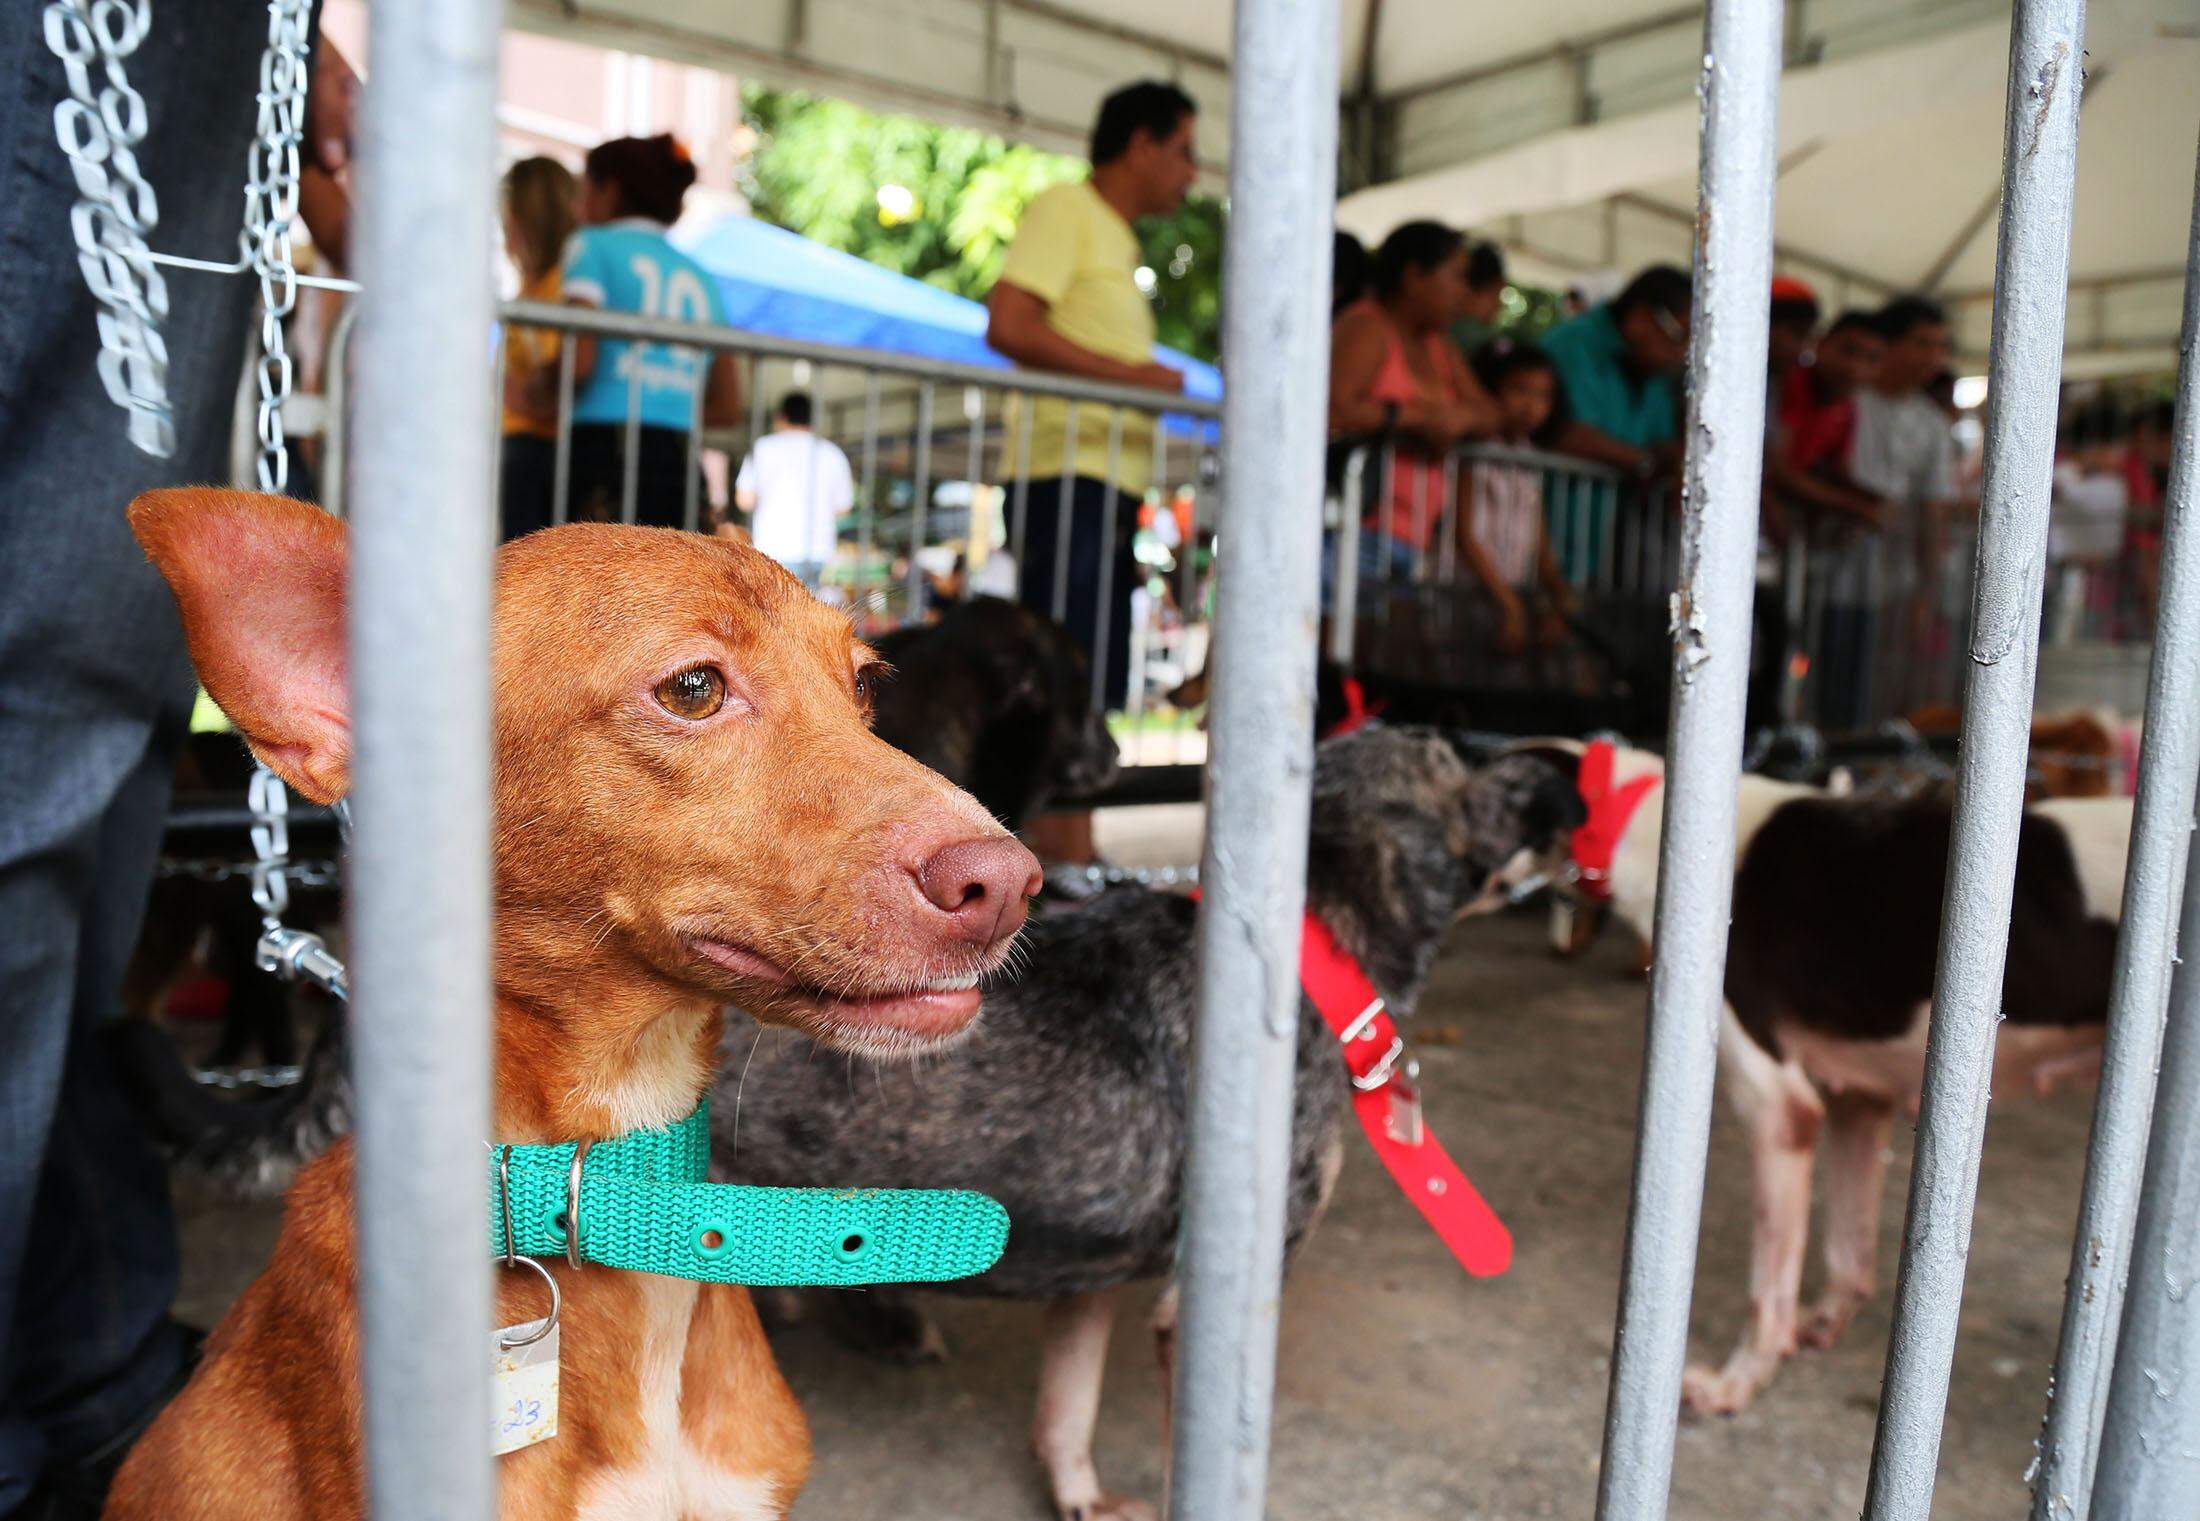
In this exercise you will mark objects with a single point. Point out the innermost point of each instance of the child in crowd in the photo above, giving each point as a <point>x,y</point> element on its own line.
<point>1816,424</point>
<point>1503,534</point>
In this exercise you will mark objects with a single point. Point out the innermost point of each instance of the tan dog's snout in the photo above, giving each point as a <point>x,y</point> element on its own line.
<point>977,890</point>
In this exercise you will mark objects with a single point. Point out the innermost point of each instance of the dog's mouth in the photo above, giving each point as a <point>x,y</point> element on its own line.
<point>909,1016</point>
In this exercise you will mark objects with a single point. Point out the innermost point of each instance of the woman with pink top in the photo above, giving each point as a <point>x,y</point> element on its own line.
<point>1394,371</point>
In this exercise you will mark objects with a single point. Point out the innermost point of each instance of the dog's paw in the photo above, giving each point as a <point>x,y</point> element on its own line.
<point>1714,1391</point>
<point>1824,1326</point>
<point>1108,1508</point>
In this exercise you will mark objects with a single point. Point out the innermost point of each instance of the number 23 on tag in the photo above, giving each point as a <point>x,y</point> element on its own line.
<point>523,1388</point>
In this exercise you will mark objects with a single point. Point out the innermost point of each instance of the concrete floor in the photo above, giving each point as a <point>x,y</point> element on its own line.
<point>1408,1392</point>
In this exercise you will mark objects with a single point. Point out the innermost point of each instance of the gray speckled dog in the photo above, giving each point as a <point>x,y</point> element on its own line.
<point>1067,1102</point>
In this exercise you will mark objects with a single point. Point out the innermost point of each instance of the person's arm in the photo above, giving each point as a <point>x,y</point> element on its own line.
<point>1356,353</point>
<point>1580,438</point>
<point>1512,628</point>
<point>744,483</point>
<point>1474,414</point>
<point>1016,325</point>
<point>722,393</point>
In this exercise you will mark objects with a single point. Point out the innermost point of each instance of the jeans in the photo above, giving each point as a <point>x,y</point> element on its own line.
<point>526,486</point>
<point>95,692</point>
<point>1080,609</point>
<point>598,478</point>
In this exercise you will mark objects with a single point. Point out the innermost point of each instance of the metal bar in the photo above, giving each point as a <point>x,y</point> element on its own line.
<point>1065,516</point>
<point>496,434</point>
<point>867,515</point>
<point>1344,608</point>
<point>2150,1462</point>
<point>337,387</point>
<point>919,502</point>
<point>1106,588</point>
<point>630,459</point>
<point>1020,506</point>
<point>973,469</point>
<point>588,319</point>
<point>1282,173</point>
<point>2032,262</point>
<point>1739,88</point>
<point>2169,766</point>
<point>561,488</point>
<point>419,902</point>
<point>691,514</point>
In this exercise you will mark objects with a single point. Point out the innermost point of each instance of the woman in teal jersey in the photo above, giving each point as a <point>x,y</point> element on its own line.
<point>621,261</point>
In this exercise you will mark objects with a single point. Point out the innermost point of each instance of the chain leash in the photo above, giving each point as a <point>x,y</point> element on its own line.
<point>270,214</point>
<point>99,127</point>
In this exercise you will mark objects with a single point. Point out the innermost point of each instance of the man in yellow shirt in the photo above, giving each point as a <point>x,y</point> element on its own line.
<point>1068,301</point>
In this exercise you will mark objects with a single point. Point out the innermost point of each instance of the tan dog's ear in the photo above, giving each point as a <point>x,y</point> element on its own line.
<point>260,583</point>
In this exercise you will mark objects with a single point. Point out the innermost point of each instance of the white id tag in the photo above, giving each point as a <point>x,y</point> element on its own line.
<point>524,1386</point>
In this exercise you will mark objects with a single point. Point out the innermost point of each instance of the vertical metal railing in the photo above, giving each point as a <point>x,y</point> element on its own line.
<point>419,881</point>
<point>2119,1161</point>
<point>2032,269</point>
<point>1282,172</point>
<point>1711,639</point>
<point>2150,1446</point>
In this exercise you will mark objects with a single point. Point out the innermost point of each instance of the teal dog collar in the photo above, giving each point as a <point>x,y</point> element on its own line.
<point>646,1206</point>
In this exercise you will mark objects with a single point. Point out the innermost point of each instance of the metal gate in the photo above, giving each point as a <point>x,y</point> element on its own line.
<point>2120,1433</point>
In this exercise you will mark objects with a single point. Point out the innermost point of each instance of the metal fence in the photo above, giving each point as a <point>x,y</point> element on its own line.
<point>420,914</point>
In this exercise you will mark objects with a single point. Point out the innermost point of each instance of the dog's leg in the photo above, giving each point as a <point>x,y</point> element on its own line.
<point>1856,1166</point>
<point>1782,1112</point>
<point>888,1324</point>
<point>1072,1366</point>
<point>1164,1350</point>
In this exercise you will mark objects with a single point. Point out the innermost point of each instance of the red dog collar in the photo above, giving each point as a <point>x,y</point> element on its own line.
<point>1610,809</point>
<point>1357,710</point>
<point>1387,1104</point>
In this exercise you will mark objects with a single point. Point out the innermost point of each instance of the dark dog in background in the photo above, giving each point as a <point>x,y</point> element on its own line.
<point>997,699</point>
<point>1067,1101</point>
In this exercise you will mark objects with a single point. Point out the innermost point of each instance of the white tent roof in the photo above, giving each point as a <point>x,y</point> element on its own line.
<point>1567,128</point>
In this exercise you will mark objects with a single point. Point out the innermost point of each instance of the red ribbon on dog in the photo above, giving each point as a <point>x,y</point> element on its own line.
<point>1388,1106</point>
<point>1610,809</point>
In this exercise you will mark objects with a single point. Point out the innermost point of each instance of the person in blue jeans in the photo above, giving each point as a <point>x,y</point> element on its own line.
<point>621,261</point>
<point>95,698</point>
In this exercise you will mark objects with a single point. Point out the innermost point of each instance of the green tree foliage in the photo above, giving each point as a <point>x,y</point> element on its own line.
<point>941,204</point>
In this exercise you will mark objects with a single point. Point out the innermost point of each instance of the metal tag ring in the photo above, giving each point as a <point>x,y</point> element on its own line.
<point>549,1322</point>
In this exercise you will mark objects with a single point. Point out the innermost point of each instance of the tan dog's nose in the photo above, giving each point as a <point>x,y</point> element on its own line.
<point>981,886</point>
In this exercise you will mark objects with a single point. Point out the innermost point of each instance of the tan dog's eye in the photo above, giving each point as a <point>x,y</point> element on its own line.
<point>695,693</point>
<point>864,689</point>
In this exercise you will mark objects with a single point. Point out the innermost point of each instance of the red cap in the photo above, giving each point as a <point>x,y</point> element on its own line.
<point>1788,288</point>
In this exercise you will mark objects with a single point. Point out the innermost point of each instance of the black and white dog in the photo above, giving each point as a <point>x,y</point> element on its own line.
<point>1067,1102</point>
<point>1829,980</point>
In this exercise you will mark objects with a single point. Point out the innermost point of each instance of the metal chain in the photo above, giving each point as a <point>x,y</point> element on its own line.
<point>270,211</point>
<point>287,953</point>
<point>316,873</point>
<point>99,127</point>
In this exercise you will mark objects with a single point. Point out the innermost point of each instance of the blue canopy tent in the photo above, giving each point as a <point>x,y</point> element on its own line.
<point>779,282</point>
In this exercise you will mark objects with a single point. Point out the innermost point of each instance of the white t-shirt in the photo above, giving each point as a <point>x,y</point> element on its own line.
<point>1904,448</point>
<point>802,485</point>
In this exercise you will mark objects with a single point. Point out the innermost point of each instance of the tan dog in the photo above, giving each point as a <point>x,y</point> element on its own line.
<point>690,811</point>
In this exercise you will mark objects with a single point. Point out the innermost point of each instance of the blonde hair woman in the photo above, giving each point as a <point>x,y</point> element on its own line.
<point>540,213</point>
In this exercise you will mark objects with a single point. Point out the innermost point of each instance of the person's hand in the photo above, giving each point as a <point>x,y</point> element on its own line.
<point>729,529</point>
<point>1158,377</point>
<point>1512,628</point>
<point>332,109</point>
